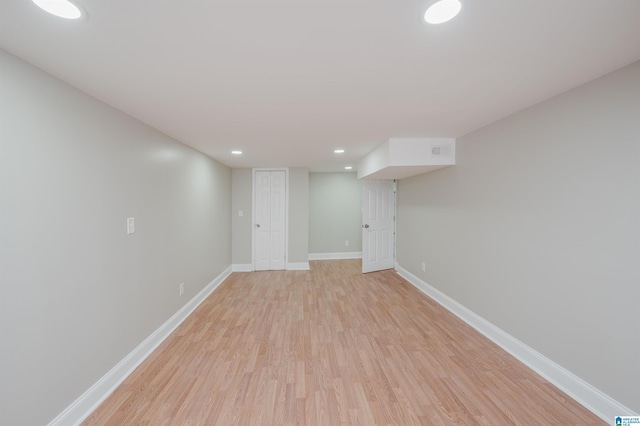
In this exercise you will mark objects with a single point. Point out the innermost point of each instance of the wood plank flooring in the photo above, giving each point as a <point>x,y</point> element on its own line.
<point>331,346</point>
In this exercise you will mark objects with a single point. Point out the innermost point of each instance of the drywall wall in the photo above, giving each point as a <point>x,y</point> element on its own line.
<point>335,213</point>
<point>536,229</point>
<point>298,217</point>
<point>77,294</point>
<point>242,228</point>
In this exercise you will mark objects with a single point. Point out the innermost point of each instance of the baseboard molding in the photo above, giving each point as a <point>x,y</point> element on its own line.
<point>81,408</point>
<point>331,256</point>
<point>248,267</point>
<point>591,398</point>
<point>301,266</point>
<point>242,267</point>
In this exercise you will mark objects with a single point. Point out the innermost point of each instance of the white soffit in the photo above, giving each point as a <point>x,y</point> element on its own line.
<point>400,158</point>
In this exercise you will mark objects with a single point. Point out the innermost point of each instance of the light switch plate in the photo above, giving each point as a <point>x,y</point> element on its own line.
<point>131,225</point>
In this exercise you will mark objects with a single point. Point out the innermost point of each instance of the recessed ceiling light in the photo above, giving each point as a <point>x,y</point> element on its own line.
<point>339,151</point>
<point>442,11</point>
<point>348,167</point>
<point>60,8</point>
<point>236,152</point>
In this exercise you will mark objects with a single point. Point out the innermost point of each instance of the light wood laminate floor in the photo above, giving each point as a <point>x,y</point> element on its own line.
<point>331,346</point>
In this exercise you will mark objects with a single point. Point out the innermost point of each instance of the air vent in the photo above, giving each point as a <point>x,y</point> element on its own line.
<point>441,150</point>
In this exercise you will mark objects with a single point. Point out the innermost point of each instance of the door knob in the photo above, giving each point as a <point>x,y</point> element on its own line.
<point>366,225</point>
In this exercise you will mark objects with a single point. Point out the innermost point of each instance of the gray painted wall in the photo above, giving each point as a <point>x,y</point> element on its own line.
<point>537,229</point>
<point>241,192</point>
<point>76,293</point>
<point>298,238</point>
<point>298,215</point>
<point>335,213</point>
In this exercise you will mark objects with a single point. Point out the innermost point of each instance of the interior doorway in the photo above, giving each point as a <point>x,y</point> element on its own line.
<point>378,225</point>
<point>270,219</point>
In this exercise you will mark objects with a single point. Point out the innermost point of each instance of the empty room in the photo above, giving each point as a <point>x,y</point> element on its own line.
<point>319,212</point>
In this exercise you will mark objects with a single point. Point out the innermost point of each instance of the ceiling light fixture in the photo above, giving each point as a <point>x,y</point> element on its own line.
<point>339,151</point>
<point>236,152</point>
<point>442,11</point>
<point>348,167</point>
<point>60,8</point>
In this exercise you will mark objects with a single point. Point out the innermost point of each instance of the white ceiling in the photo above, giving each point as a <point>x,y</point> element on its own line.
<point>289,81</point>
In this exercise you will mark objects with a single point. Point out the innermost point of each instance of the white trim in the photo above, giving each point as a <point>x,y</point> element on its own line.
<point>82,407</point>
<point>591,398</point>
<point>301,266</point>
<point>253,218</point>
<point>343,255</point>
<point>395,223</point>
<point>242,267</point>
<point>287,189</point>
<point>366,267</point>
<point>253,211</point>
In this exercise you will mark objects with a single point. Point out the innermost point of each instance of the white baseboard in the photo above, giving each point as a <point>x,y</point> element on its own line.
<point>248,267</point>
<point>242,267</point>
<point>343,255</point>
<point>82,407</point>
<point>591,398</point>
<point>301,266</point>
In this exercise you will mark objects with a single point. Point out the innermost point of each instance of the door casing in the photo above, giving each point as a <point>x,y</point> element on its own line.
<point>253,214</point>
<point>374,227</point>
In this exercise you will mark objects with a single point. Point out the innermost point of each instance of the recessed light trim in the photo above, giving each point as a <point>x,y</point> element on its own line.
<point>61,8</point>
<point>348,167</point>
<point>339,151</point>
<point>236,152</point>
<point>442,11</point>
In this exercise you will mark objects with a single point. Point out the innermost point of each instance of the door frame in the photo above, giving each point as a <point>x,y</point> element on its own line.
<point>394,226</point>
<point>253,212</point>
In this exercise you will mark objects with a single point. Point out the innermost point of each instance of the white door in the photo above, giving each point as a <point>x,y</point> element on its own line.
<point>378,225</point>
<point>270,220</point>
